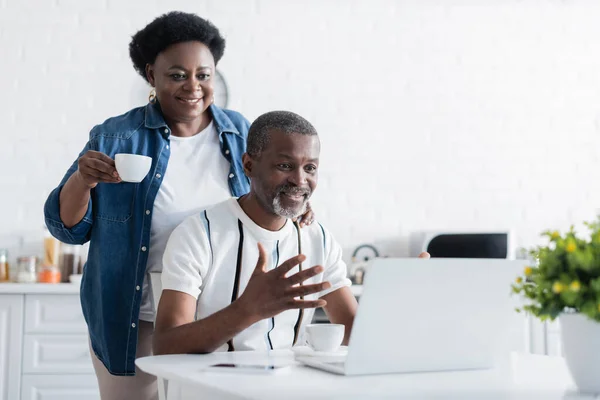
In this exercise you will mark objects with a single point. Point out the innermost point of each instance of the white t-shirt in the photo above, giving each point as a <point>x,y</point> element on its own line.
<point>201,259</point>
<point>196,178</point>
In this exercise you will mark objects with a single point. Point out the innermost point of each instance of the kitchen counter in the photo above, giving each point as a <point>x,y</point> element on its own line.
<point>39,288</point>
<point>72,288</point>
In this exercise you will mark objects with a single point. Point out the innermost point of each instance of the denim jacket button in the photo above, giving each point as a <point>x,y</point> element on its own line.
<point>144,248</point>
<point>166,130</point>
<point>147,212</point>
<point>137,288</point>
<point>158,176</point>
<point>133,325</point>
<point>226,151</point>
<point>231,175</point>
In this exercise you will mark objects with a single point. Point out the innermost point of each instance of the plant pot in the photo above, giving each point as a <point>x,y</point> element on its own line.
<point>580,338</point>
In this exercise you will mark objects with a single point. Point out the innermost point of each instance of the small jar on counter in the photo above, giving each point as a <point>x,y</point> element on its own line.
<point>49,274</point>
<point>4,270</point>
<point>26,269</point>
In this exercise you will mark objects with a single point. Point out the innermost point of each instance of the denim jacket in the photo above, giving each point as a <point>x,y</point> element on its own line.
<point>117,224</point>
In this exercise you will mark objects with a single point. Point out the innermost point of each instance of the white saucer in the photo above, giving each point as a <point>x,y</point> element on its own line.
<point>305,351</point>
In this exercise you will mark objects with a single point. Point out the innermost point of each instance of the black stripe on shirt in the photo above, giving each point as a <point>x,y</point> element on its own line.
<point>208,234</point>
<point>273,318</point>
<point>300,311</point>
<point>324,244</point>
<point>238,270</point>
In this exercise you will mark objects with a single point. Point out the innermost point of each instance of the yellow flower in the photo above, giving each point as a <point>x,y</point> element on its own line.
<point>554,235</point>
<point>557,287</point>
<point>519,279</point>
<point>528,271</point>
<point>571,247</point>
<point>575,286</point>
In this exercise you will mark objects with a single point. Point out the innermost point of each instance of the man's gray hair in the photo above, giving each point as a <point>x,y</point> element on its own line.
<point>283,121</point>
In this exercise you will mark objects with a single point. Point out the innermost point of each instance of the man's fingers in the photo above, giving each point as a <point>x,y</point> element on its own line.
<point>424,255</point>
<point>305,290</point>
<point>261,264</point>
<point>287,266</point>
<point>307,303</point>
<point>301,276</point>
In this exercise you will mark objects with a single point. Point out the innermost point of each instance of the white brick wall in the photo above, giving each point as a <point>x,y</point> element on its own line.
<point>433,114</point>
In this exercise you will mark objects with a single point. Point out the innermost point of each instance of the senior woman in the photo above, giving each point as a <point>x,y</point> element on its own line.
<point>196,151</point>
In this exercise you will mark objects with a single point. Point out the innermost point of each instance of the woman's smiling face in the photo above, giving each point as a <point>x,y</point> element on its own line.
<point>182,75</point>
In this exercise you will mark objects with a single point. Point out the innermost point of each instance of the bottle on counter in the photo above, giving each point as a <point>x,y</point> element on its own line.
<point>4,268</point>
<point>49,271</point>
<point>69,261</point>
<point>26,269</point>
<point>51,249</point>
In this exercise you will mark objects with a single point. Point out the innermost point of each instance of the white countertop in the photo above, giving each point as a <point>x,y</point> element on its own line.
<point>39,288</point>
<point>521,376</point>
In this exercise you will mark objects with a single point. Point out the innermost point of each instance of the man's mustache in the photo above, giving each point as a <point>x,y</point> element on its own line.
<point>293,190</point>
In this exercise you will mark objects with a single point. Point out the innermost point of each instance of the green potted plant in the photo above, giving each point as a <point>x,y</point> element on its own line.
<point>565,284</point>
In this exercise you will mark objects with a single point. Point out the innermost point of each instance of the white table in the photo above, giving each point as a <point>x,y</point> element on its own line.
<point>519,377</point>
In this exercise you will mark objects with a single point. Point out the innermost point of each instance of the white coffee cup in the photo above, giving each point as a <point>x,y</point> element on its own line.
<point>325,337</point>
<point>132,167</point>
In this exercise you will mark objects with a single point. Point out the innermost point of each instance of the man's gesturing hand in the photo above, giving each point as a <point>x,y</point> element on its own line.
<point>270,293</point>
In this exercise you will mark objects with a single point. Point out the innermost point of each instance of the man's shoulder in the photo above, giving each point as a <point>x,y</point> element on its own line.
<point>191,225</point>
<point>217,216</point>
<point>214,213</point>
<point>198,227</point>
<point>219,210</point>
<point>317,232</point>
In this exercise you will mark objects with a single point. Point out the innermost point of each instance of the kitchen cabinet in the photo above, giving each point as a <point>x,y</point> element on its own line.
<point>11,336</point>
<point>44,351</point>
<point>61,387</point>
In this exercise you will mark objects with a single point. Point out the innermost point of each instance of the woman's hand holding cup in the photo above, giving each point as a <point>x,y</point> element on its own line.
<point>95,167</point>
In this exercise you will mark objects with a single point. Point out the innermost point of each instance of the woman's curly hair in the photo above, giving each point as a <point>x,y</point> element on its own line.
<point>171,28</point>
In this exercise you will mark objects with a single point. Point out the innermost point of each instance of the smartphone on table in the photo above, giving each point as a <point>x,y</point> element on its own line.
<point>247,368</point>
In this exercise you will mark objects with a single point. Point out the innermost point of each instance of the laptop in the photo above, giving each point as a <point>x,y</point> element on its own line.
<point>440,314</point>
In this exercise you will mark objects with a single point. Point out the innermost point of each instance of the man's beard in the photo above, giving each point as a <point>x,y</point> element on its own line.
<point>288,212</point>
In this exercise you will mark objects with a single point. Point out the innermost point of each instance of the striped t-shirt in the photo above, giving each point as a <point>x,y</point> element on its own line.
<point>211,256</point>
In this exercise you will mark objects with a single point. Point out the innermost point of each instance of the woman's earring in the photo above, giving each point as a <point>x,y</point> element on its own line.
<point>152,96</point>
